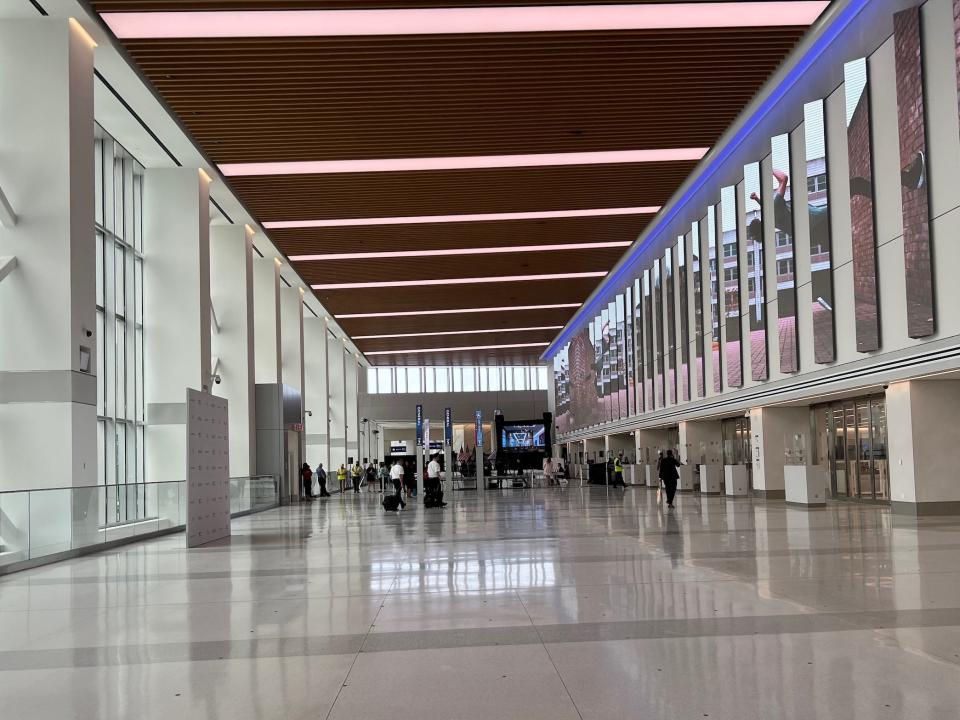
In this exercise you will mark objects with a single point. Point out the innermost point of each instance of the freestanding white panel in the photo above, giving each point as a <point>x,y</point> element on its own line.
<point>208,469</point>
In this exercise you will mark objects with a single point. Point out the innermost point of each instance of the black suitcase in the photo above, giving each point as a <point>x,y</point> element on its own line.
<point>391,503</point>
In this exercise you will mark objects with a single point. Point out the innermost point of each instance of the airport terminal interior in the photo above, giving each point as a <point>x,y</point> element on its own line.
<point>468,359</point>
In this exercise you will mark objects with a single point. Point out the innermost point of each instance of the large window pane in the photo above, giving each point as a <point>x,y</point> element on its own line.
<point>442,375</point>
<point>541,378</point>
<point>469,379</point>
<point>413,380</point>
<point>401,376</point>
<point>519,378</point>
<point>428,380</point>
<point>371,380</point>
<point>385,380</point>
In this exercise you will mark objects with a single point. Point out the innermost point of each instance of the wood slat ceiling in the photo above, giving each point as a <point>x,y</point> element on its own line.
<point>345,98</point>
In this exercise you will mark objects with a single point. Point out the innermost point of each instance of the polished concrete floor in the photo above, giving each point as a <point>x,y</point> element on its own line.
<point>582,603</point>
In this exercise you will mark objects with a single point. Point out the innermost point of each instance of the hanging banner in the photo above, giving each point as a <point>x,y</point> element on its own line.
<point>419,425</point>
<point>447,427</point>
<point>478,422</point>
<point>426,434</point>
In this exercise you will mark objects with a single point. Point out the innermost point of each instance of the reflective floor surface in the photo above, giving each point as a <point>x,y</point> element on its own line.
<point>579,603</point>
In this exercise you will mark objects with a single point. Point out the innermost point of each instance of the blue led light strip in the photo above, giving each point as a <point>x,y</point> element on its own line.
<point>839,24</point>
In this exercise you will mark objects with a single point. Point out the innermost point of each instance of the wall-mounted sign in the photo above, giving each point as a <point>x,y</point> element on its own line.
<point>398,447</point>
<point>419,425</point>
<point>448,427</point>
<point>478,423</point>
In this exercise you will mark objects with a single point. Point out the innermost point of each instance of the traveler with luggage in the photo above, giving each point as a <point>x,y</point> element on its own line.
<point>433,488</point>
<point>396,476</point>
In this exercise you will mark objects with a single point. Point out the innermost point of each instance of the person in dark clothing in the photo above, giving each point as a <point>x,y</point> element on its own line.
<point>669,474</point>
<point>306,482</point>
<point>322,480</point>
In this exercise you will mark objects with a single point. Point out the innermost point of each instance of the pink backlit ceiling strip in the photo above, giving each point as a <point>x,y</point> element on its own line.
<point>481,217</point>
<point>440,21</point>
<point>456,311</point>
<point>455,281</point>
<point>310,167</point>
<point>455,349</point>
<point>395,254</point>
<point>458,332</point>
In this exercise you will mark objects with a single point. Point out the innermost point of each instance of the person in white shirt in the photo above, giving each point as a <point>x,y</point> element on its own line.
<point>433,479</point>
<point>396,474</point>
<point>549,471</point>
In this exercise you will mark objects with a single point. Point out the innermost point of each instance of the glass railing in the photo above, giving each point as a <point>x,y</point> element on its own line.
<point>39,523</point>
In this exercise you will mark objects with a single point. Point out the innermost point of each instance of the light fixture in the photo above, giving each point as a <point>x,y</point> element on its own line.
<point>458,332</point>
<point>417,351</point>
<point>471,162</point>
<point>443,21</point>
<point>461,251</point>
<point>456,281</point>
<point>476,217</point>
<point>456,311</point>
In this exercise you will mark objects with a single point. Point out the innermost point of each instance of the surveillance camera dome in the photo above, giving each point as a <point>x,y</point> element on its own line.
<point>217,379</point>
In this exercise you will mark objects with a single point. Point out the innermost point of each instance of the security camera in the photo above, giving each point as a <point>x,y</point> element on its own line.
<point>309,413</point>
<point>87,332</point>
<point>885,386</point>
<point>217,379</point>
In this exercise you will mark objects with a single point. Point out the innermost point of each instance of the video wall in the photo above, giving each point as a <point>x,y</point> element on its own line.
<point>725,294</point>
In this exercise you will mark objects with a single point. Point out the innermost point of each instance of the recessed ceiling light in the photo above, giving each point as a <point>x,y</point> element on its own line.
<point>461,251</point>
<point>455,349</point>
<point>476,162</point>
<point>457,332</point>
<point>455,311</point>
<point>441,21</point>
<point>456,281</point>
<point>479,217</point>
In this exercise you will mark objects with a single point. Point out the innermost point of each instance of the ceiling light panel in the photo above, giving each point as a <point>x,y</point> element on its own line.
<point>444,21</point>
<point>418,351</point>
<point>398,254</point>
<point>457,311</point>
<point>457,332</point>
<point>456,281</point>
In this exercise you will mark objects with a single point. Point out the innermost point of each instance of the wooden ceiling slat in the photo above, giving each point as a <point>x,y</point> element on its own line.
<point>334,98</point>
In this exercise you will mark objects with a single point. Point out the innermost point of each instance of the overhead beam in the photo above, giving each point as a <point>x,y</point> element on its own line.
<point>7,265</point>
<point>8,218</point>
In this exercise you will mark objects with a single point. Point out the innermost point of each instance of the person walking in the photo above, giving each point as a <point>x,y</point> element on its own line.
<point>549,471</point>
<point>669,474</point>
<point>618,473</point>
<point>370,477</point>
<point>433,489</point>
<point>306,482</point>
<point>342,478</point>
<point>322,480</point>
<point>356,473</point>
<point>396,475</point>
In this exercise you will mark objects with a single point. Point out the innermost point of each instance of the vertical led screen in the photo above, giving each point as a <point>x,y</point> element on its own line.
<point>584,400</point>
<point>629,351</point>
<point>604,360</point>
<point>597,338</point>
<point>671,325</point>
<point>818,220</point>
<point>648,343</point>
<point>696,270</point>
<point>638,344</point>
<point>622,384</point>
<point>730,262</point>
<point>859,150</point>
<point>756,286</point>
<point>785,253</point>
<point>658,334</point>
<point>614,361</point>
<point>714,257</point>
<point>913,176</point>
<point>561,386</point>
<point>684,340</point>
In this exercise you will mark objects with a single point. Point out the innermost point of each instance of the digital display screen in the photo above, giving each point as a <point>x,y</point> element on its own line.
<point>527,436</point>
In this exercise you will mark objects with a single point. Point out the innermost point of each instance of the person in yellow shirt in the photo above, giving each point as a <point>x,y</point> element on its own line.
<point>342,477</point>
<point>356,473</point>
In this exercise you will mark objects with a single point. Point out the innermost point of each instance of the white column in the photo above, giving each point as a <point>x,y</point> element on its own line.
<point>772,430</point>
<point>352,403</point>
<point>291,338</point>
<point>231,294</point>
<point>47,302</point>
<point>266,320</point>
<point>176,218</point>
<point>924,452</point>
<point>316,397</point>
<point>337,410</point>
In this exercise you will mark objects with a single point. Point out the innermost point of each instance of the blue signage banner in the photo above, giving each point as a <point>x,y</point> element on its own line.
<point>419,425</point>
<point>478,420</point>
<point>448,427</point>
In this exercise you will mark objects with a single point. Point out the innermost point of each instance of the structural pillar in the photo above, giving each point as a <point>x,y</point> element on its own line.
<point>291,338</point>
<point>231,295</point>
<point>315,398</point>
<point>48,386</point>
<point>336,406</point>
<point>352,403</point>
<point>266,320</point>
<point>176,267</point>
<point>924,452</point>
<point>773,430</point>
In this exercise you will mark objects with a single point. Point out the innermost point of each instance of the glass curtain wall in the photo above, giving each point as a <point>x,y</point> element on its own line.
<point>120,403</point>
<point>468,378</point>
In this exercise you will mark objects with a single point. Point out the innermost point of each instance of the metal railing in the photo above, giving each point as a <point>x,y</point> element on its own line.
<point>51,521</point>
